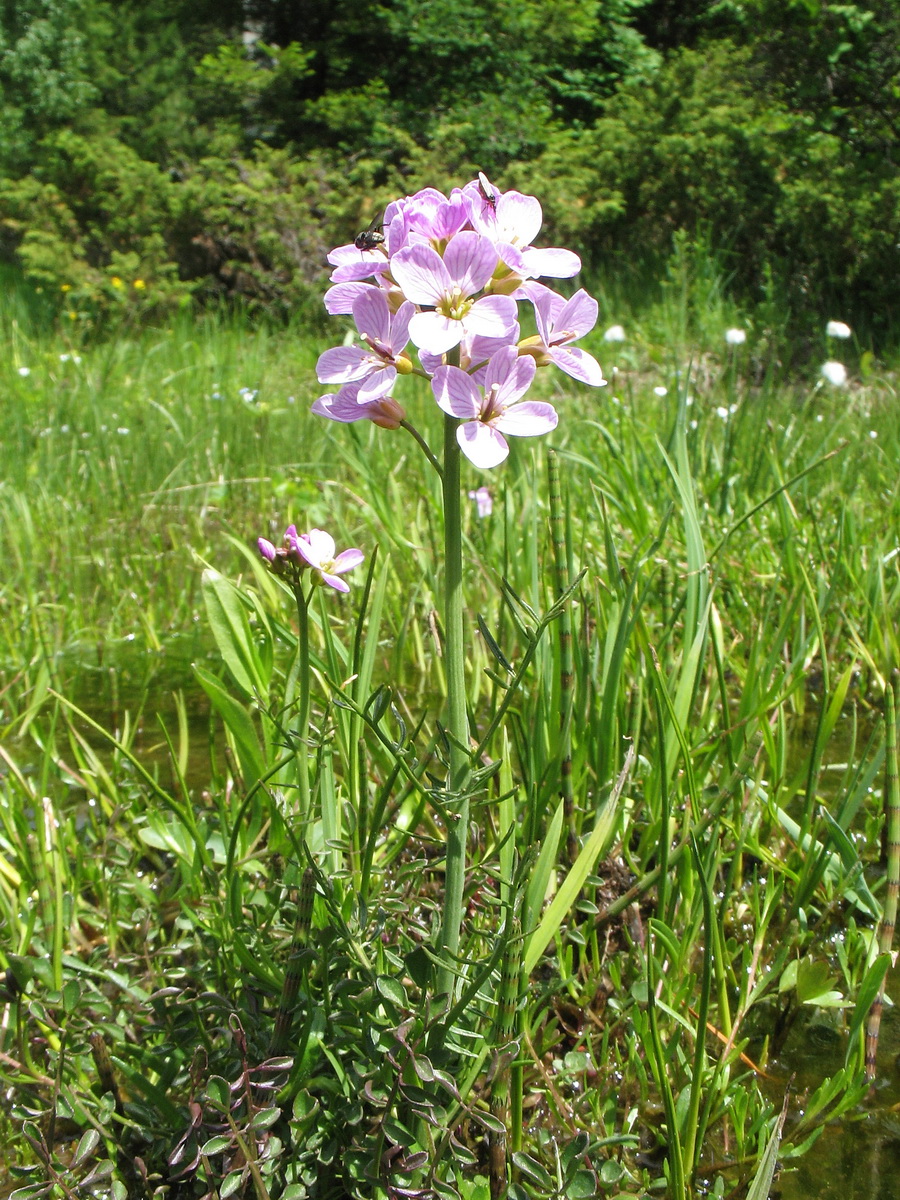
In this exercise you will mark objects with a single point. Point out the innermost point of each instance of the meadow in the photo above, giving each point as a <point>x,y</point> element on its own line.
<point>681,625</point>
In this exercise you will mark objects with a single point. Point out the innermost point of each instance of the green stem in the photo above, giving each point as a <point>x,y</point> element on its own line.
<point>457,721</point>
<point>423,446</point>
<point>303,703</point>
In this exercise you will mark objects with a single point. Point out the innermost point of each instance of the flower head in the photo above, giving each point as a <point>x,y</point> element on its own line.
<point>835,373</point>
<point>735,337</point>
<point>447,287</point>
<point>484,501</point>
<point>837,329</point>
<point>347,406</point>
<point>490,413</point>
<point>317,548</point>
<point>615,333</point>
<point>561,322</point>
<point>385,336</point>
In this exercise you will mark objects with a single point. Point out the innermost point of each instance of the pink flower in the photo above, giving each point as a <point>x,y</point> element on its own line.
<point>512,222</point>
<point>345,406</point>
<point>561,322</point>
<point>317,549</point>
<point>448,286</point>
<point>484,502</point>
<point>488,416</point>
<point>386,338</point>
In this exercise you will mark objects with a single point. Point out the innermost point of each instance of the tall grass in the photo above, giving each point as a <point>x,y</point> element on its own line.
<point>668,886</point>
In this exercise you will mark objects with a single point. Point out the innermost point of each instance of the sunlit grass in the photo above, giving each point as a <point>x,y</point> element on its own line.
<point>738,536</point>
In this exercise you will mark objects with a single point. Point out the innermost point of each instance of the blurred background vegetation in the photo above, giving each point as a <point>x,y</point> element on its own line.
<point>161,153</point>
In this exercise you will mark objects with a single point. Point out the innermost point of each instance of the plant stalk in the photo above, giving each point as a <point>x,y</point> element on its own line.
<point>302,724</point>
<point>457,720</point>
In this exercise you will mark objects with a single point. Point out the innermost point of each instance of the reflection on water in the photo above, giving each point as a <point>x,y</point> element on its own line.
<point>858,1158</point>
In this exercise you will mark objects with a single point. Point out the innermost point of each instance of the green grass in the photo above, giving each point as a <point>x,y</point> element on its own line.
<point>733,631</point>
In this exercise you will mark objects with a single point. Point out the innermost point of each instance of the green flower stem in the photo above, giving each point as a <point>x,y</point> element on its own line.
<point>423,446</point>
<point>457,721</point>
<point>302,725</point>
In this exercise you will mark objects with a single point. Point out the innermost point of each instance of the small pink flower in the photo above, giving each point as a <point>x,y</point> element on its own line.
<point>447,287</point>
<point>386,337</point>
<point>561,322</point>
<point>484,501</point>
<point>488,416</point>
<point>317,549</point>
<point>346,407</point>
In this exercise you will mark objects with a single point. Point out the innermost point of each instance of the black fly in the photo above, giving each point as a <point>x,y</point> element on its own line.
<point>369,238</point>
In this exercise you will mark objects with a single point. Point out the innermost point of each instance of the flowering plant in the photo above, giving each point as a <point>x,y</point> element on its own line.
<point>447,274</point>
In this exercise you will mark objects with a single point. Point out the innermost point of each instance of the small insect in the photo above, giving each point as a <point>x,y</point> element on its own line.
<point>369,238</point>
<point>488,194</point>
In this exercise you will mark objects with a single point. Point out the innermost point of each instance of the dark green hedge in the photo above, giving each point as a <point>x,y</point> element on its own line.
<point>153,152</point>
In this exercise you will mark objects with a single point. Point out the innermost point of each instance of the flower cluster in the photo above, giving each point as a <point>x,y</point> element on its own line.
<point>447,275</point>
<point>313,551</point>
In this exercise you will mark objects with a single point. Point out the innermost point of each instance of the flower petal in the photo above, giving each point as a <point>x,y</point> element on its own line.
<point>339,300</point>
<point>435,333</point>
<point>578,315</point>
<point>332,580</point>
<point>470,260</point>
<point>372,315</point>
<point>482,445</point>
<point>342,364</point>
<point>491,316</point>
<point>346,561</point>
<point>552,263</point>
<point>527,420</point>
<point>378,384</point>
<point>579,364</point>
<point>421,274</point>
<point>321,546</point>
<point>455,393</point>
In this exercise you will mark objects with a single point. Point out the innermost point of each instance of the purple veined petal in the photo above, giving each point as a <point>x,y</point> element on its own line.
<point>435,333</point>
<point>519,218</point>
<point>470,260</point>
<point>553,263</point>
<point>346,561</point>
<point>339,300</point>
<point>476,352</point>
<point>547,306</point>
<point>266,549</point>
<point>455,393</point>
<point>511,256</point>
<point>399,338</point>
<point>578,315</point>
<point>517,380</point>
<point>509,375</point>
<point>421,274</point>
<point>482,445</point>
<point>342,364</point>
<point>579,364</point>
<point>492,316</point>
<point>372,315</point>
<point>346,408</point>
<point>529,419</point>
<point>451,217</point>
<point>332,580</point>
<point>421,210</point>
<point>379,383</point>
<point>342,254</point>
<point>364,269</point>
